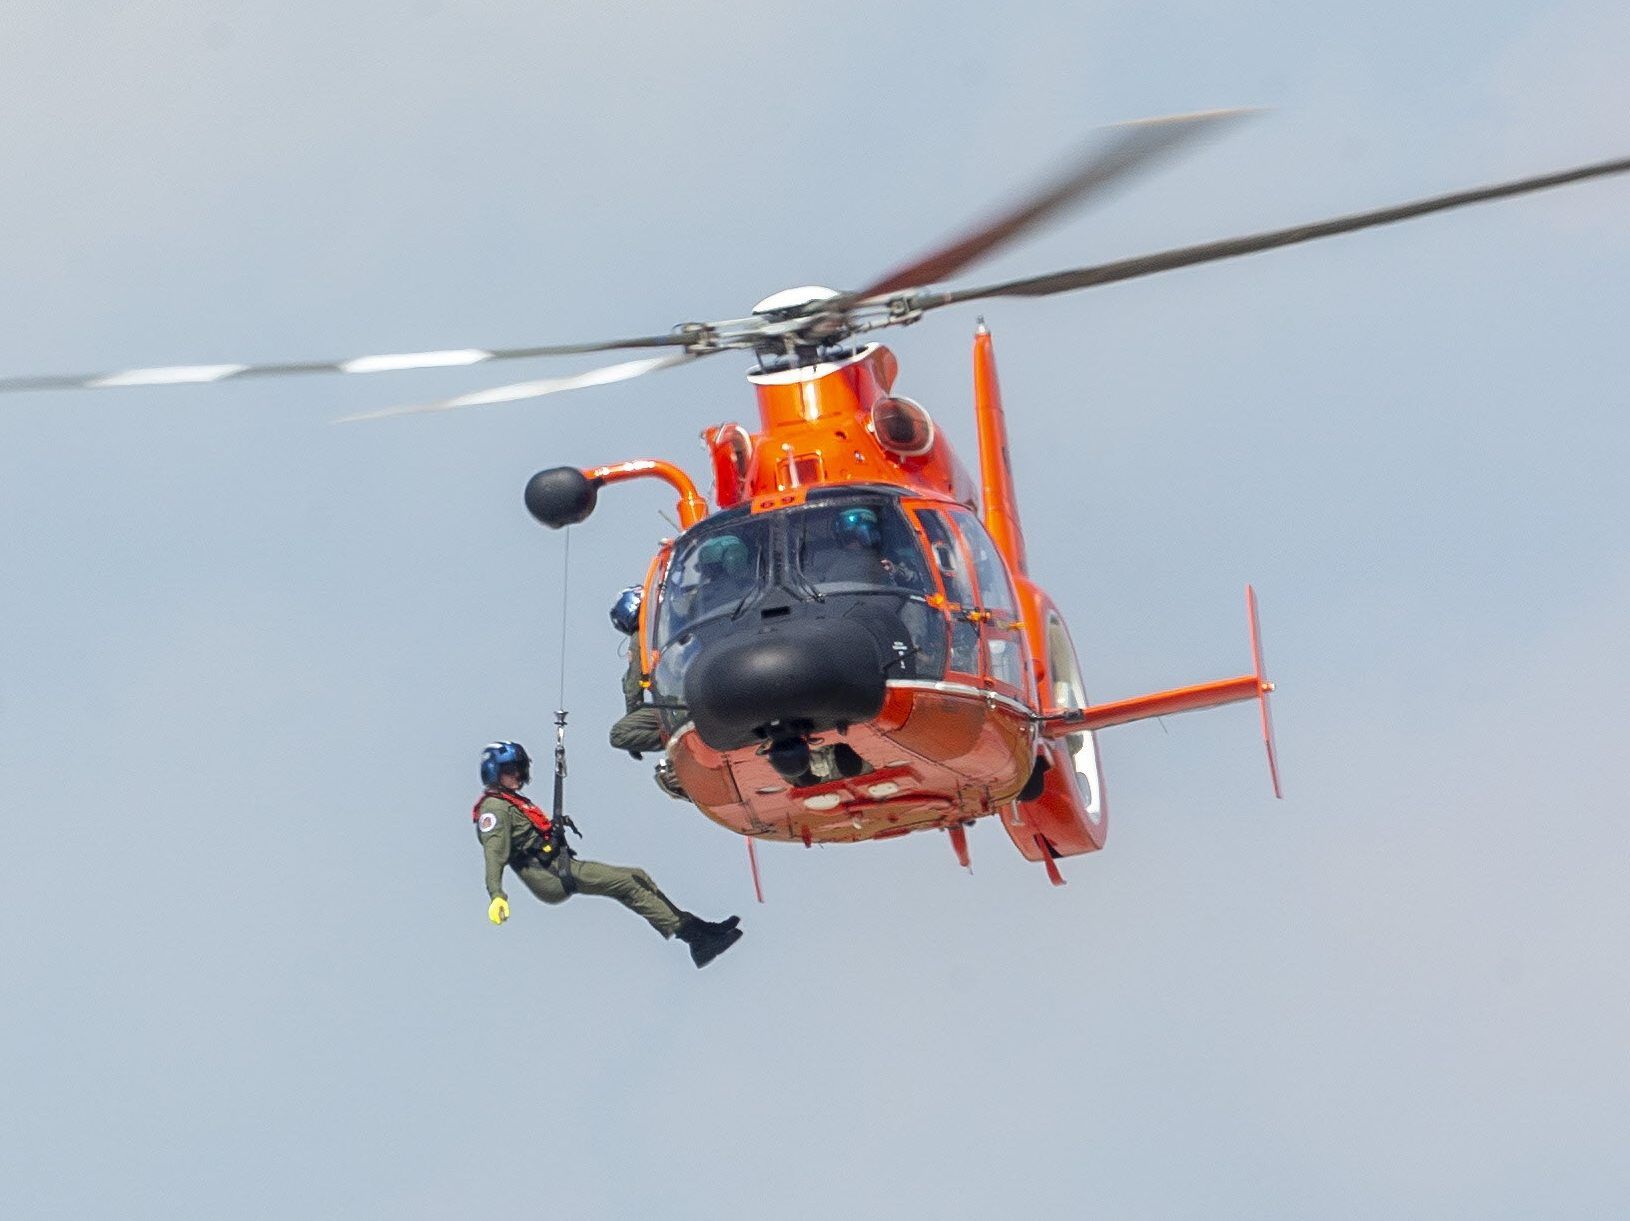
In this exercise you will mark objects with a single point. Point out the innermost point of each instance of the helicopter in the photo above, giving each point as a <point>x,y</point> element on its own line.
<point>844,650</point>
<point>846,644</point>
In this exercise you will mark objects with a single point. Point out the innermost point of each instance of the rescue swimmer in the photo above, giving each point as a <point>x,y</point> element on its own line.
<point>515,832</point>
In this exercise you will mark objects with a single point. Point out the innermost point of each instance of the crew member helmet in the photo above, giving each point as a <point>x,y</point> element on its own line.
<point>723,553</point>
<point>858,525</point>
<point>500,757</point>
<point>625,611</point>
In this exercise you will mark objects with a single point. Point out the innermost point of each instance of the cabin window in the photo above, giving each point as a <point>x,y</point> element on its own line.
<point>959,590</point>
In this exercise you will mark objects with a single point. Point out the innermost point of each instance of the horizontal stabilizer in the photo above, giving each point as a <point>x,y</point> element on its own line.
<point>1159,703</point>
<point>1254,686</point>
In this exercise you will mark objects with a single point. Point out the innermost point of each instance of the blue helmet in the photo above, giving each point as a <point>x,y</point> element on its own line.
<point>858,525</point>
<point>500,757</point>
<point>625,611</point>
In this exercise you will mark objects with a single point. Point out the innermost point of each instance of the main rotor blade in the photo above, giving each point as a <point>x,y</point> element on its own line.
<point>602,376</point>
<point>1131,146</point>
<point>1210,252</point>
<point>176,375</point>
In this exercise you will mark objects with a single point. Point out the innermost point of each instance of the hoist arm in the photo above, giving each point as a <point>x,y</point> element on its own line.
<point>564,495</point>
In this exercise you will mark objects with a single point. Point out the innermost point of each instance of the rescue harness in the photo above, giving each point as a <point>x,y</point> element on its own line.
<point>534,814</point>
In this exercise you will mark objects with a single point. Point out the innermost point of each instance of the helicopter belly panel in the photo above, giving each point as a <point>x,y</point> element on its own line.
<point>938,754</point>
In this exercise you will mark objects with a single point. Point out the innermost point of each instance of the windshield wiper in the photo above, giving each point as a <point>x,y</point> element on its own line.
<point>742,605</point>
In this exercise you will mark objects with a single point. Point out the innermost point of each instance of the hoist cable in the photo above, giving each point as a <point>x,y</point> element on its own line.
<point>565,589</point>
<point>561,817</point>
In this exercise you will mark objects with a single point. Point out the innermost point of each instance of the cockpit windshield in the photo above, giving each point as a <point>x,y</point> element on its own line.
<point>855,557</point>
<point>711,572</point>
<point>856,548</point>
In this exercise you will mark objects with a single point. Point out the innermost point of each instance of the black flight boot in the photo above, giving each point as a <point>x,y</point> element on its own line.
<point>707,938</point>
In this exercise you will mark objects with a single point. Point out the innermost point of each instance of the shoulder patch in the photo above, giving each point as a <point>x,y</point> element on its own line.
<point>487,821</point>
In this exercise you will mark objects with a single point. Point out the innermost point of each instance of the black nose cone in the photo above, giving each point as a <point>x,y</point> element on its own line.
<point>802,674</point>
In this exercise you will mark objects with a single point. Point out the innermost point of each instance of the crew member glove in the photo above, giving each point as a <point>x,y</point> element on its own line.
<point>498,910</point>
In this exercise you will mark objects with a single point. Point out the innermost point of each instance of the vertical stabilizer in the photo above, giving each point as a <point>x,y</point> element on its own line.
<point>998,505</point>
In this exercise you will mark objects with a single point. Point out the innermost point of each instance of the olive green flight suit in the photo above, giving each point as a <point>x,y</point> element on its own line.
<point>640,729</point>
<point>511,839</point>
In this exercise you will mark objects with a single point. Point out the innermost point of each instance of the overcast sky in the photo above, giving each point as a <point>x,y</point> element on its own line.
<point>248,658</point>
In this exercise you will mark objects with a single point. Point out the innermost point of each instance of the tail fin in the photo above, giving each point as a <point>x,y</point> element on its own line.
<point>1000,508</point>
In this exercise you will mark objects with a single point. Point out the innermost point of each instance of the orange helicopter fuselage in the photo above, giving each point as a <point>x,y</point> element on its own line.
<point>940,751</point>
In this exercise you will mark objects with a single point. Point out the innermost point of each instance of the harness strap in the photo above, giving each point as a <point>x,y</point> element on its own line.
<point>555,855</point>
<point>534,814</point>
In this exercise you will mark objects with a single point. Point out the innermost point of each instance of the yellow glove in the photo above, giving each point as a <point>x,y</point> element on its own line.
<point>498,910</point>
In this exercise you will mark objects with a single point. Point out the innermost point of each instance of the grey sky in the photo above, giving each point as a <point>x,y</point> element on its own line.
<point>248,657</point>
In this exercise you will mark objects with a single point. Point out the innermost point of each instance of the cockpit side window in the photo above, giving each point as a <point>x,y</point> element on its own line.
<point>1004,649</point>
<point>995,589</point>
<point>948,559</point>
<point>959,590</point>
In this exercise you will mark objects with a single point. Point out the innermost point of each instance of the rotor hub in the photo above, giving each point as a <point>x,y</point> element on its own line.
<point>794,302</point>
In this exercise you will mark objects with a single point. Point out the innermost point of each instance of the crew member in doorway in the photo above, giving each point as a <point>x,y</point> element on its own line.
<point>516,833</point>
<point>639,729</point>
